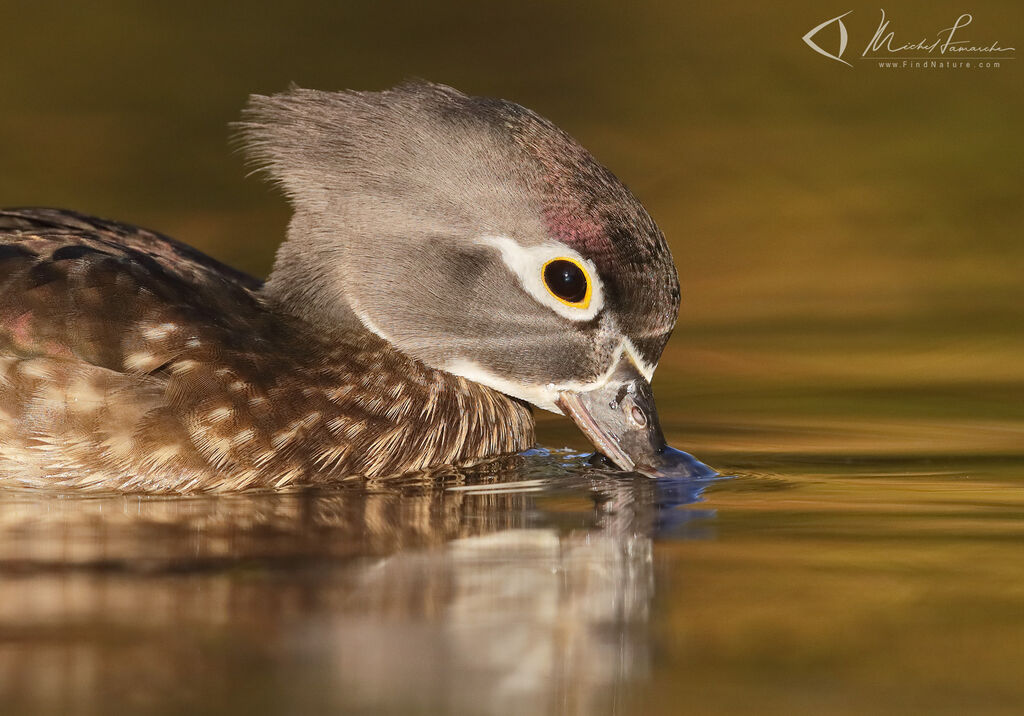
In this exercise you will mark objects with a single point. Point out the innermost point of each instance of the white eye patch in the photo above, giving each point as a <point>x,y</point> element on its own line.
<point>528,263</point>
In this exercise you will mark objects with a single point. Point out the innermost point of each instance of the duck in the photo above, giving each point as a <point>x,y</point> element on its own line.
<point>451,263</point>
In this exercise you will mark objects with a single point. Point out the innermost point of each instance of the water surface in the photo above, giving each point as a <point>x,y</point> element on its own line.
<point>818,585</point>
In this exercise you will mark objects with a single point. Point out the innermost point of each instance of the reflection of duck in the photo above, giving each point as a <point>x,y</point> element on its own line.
<point>132,532</point>
<point>460,595</point>
<point>450,259</point>
<point>521,621</point>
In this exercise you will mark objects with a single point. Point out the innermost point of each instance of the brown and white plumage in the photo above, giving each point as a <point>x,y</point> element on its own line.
<point>405,325</point>
<point>129,361</point>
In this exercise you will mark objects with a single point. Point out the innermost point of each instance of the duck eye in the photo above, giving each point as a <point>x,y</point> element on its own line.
<point>568,282</point>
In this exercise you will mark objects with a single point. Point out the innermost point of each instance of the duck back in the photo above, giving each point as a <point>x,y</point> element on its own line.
<point>129,360</point>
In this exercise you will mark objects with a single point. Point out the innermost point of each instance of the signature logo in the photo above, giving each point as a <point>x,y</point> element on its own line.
<point>843,37</point>
<point>946,43</point>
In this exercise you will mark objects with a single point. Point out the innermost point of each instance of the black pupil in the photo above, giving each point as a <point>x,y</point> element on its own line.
<point>566,280</point>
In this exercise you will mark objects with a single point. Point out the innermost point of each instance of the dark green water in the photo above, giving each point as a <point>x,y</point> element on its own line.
<point>849,242</point>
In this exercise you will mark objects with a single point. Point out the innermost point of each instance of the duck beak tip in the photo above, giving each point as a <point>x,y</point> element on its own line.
<point>621,420</point>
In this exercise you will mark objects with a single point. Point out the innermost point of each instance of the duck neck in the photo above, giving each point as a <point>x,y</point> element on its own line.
<point>302,283</point>
<point>377,410</point>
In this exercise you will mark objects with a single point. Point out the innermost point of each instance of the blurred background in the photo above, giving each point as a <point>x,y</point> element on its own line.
<point>850,346</point>
<point>848,238</point>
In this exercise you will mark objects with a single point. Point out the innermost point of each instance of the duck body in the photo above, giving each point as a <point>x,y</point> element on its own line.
<point>450,261</point>
<point>130,361</point>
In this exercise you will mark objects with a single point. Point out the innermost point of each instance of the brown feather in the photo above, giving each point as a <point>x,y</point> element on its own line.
<point>130,361</point>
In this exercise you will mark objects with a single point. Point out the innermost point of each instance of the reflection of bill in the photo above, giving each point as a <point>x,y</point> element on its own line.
<point>515,622</point>
<point>497,594</point>
<point>528,620</point>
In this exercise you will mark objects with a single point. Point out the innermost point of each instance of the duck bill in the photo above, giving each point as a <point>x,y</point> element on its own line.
<point>621,420</point>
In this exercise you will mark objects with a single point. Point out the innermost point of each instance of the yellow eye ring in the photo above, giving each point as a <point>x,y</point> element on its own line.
<point>568,281</point>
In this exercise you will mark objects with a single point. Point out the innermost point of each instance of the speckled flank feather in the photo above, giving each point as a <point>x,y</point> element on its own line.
<point>130,361</point>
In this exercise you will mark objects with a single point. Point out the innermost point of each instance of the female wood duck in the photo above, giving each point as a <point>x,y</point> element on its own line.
<point>450,260</point>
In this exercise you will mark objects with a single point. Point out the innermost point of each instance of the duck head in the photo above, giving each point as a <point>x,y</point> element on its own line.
<point>477,237</point>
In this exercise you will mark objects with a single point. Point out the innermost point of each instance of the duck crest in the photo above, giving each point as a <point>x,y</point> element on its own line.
<point>129,361</point>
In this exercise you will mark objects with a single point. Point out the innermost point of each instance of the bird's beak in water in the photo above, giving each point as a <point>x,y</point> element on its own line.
<point>621,421</point>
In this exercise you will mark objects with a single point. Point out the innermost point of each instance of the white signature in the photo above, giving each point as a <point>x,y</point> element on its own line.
<point>944,41</point>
